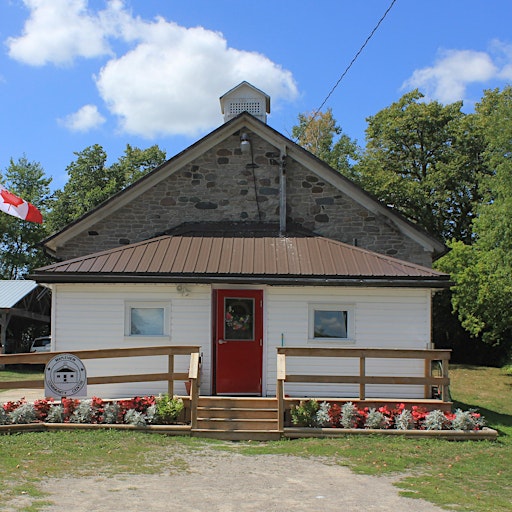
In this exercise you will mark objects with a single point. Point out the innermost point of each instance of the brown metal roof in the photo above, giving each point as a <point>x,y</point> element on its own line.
<point>294,259</point>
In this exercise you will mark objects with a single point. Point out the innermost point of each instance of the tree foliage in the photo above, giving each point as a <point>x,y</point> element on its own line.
<point>425,159</point>
<point>483,271</point>
<point>91,181</point>
<point>322,136</point>
<point>19,239</point>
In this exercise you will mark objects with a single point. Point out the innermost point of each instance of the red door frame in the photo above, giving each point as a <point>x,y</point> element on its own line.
<point>237,363</point>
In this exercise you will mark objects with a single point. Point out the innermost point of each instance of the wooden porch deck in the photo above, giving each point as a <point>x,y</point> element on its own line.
<point>264,418</point>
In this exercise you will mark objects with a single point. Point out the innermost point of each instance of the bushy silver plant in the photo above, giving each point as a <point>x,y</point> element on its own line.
<point>4,419</point>
<point>83,413</point>
<point>25,413</point>
<point>376,419</point>
<point>55,414</point>
<point>435,420</point>
<point>467,420</point>
<point>133,417</point>
<point>111,413</point>
<point>151,414</point>
<point>348,415</point>
<point>404,420</point>
<point>322,415</point>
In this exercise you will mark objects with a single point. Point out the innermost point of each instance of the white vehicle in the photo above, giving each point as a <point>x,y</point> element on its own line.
<point>42,344</point>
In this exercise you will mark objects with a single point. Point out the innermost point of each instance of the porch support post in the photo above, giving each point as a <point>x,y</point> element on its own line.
<point>362,376</point>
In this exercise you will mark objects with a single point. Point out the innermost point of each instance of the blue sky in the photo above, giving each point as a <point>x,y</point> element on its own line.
<point>75,73</point>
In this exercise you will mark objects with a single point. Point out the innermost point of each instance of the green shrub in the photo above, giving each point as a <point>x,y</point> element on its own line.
<point>168,409</point>
<point>304,414</point>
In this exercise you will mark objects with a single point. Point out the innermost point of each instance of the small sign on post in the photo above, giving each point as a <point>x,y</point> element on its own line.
<point>65,376</point>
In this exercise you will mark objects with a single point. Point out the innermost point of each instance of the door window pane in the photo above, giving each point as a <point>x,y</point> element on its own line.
<point>238,319</point>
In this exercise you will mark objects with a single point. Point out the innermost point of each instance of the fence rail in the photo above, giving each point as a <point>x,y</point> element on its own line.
<point>442,382</point>
<point>170,376</point>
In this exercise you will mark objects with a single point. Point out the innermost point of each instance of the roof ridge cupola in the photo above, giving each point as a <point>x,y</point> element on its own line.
<point>245,98</point>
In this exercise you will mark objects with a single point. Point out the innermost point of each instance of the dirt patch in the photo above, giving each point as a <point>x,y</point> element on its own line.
<point>229,482</point>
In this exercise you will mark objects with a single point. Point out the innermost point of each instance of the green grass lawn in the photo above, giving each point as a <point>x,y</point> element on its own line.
<point>469,476</point>
<point>19,372</point>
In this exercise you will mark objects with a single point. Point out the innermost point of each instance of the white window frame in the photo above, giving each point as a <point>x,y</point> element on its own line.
<point>130,305</point>
<point>348,308</point>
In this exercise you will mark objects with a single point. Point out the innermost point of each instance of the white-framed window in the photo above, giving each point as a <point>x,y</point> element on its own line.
<point>147,318</point>
<point>331,322</point>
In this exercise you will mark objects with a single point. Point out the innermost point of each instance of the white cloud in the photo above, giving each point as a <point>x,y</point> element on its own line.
<point>57,31</point>
<point>169,78</point>
<point>84,119</point>
<point>447,80</point>
<point>170,83</point>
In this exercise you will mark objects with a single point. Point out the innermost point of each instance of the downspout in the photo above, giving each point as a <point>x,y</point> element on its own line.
<point>282,192</point>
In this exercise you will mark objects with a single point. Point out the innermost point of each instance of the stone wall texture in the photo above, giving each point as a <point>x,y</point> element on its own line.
<point>225,184</point>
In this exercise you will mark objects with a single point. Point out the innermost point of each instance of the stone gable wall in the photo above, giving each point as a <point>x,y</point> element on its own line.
<point>225,184</point>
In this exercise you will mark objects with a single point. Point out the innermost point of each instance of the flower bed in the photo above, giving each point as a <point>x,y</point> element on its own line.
<point>137,411</point>
<point>311,413</point>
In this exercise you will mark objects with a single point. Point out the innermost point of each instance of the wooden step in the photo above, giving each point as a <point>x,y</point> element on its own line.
<point>237,435</point>
<point>242,413</point>
<point>236,424</point>
<point>237,402</point>
<point>237,414</point>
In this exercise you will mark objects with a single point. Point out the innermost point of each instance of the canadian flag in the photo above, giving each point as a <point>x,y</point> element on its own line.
<point>17,207</point>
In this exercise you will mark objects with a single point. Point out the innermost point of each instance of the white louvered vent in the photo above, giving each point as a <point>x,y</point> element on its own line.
<point>236,101</point>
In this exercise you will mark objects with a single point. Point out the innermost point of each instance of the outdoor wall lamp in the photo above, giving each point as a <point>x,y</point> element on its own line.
<point>245,143</point>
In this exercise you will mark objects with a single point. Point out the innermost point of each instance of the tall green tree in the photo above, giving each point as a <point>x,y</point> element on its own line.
<point>322,136</point>
<point>425,159</point>
<point>19,239</point>
<point>91,181</point>
<point>482,297</point>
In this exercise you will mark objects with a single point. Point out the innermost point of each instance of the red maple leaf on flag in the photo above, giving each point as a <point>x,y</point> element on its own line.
<point>10,198</point>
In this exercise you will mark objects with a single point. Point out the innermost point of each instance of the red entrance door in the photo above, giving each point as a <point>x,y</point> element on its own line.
<point>238,342</point>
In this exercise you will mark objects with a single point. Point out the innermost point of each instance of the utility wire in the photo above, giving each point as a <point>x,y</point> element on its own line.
<point>317,111</point>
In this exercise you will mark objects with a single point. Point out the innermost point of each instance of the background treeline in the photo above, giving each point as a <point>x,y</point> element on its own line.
<point>448,171</point>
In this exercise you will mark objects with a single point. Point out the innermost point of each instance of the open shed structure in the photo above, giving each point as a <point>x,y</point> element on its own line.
<point>22,299</point>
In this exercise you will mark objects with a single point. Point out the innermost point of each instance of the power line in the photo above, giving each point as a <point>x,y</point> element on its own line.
<point>353,60</point>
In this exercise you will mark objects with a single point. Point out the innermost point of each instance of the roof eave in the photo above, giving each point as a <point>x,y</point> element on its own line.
<point>435,282</point>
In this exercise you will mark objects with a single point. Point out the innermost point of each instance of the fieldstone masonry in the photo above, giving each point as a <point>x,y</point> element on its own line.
<point>225,184</point>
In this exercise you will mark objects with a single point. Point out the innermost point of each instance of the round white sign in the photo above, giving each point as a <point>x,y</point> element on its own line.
<point>64,376</point>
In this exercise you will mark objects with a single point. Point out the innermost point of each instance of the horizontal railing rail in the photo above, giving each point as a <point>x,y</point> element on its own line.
<point>110,353</point>
<point>360,377</point>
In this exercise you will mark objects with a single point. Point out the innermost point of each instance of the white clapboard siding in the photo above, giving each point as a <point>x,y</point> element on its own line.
<point>384,318</point>
<point>92,316</point>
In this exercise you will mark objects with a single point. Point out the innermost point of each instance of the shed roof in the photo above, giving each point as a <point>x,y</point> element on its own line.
<point>12,291</point>
<point>216,257</point>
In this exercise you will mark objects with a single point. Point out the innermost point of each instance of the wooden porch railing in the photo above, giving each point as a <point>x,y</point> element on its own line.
<point>170,376</point>
<point>362,354</point>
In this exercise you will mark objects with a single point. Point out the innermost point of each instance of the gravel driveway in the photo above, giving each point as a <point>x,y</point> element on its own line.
<point>218,481</point>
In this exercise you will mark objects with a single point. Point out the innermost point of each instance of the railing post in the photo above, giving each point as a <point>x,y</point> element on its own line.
<point>427,391</point>
<point>444,387</point>
<point>281,377</point>
<point>194,388</point>
<point>362,375</point>
<point>170,382</point>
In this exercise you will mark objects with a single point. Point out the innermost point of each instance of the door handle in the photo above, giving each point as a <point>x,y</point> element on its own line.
<point>221,342</point>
